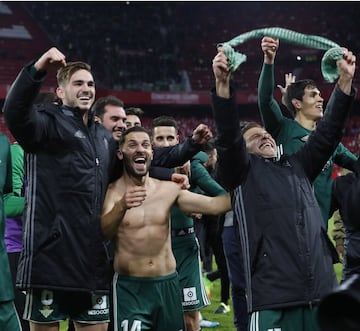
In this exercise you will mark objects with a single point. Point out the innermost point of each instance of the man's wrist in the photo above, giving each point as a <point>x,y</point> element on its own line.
<point>36,74</point>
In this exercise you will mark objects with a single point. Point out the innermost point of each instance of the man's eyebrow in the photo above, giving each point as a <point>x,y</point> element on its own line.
<point>136,141</point>
<point>83,81</point>
<point>254,135</point>
<point>314,91</point>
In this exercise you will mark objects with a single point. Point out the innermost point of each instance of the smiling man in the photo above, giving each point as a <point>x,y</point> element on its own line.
<point>63,266</point>
<point>304,101</point>
<point>110,112</point>
<point>136,216</point>
<point>286,251</point>
<point>258,140</point>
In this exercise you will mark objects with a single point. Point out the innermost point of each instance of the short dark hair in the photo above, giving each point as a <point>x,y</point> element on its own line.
<point>296,90</point>
<point>99,105</point>
<point>164,121</point>
<point>245,126</point>
<point>129,130</point>
<point>134,111</point>
<point>65,73</point>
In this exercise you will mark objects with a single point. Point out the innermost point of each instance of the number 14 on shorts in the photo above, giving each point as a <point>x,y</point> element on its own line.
<point>136,326</point>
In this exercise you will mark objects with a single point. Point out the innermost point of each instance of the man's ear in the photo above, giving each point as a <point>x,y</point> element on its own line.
<point>97,119</point>
<point>119,154</point>
<point>59,93</point>
<point>296,103</point>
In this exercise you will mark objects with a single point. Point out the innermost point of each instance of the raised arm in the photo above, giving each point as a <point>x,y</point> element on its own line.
<point>177,155</point>
<point>346,69</point>
<point>289,79</point>
<point>233,159</point>
<point>21,118</point>
<point>323,141</point>
<point>270,111</point>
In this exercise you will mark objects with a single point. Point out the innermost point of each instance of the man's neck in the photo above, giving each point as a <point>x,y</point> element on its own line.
<point>85,117</point>
<point>308,124</point>
<point>136,180</point>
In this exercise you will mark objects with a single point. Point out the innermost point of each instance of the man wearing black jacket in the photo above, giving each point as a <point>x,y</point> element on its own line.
<point>64,265</point>
<point>287,254</point>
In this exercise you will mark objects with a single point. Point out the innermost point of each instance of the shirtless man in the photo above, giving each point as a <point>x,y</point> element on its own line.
<point>136,215</point>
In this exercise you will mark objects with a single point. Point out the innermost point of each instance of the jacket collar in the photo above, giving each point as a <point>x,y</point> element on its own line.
<point>75,112</point>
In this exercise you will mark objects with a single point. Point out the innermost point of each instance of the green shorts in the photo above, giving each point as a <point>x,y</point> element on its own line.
<point>188,265</point>
<point>48,306</point>
<point>9,319</point>
<point>147,303</point>
<point>289,319</point>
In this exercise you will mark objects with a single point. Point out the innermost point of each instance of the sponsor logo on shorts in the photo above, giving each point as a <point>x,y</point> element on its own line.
<point>46,311</point>
<point>189,296</point>
<point>190,303</point>
<point>47,299</point>
<point>98,311</point>
<point>189,293</point>
<point>99,302</point>
<point>99,305</point>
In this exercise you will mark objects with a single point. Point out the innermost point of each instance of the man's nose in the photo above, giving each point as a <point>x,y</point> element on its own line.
<point>120,124</point>
<point>86,87</point>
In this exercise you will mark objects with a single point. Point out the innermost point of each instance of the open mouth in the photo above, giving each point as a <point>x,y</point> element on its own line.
<point>319,107</point>
<point>140,163</point>
<point>85,99</point>
<point>265,145</point>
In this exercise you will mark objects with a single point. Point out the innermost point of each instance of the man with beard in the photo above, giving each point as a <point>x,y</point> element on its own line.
<point>109,111</point>
<point>136,216</point>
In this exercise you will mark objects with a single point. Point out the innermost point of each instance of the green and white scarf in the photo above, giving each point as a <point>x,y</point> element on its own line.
<point>328,62</point>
